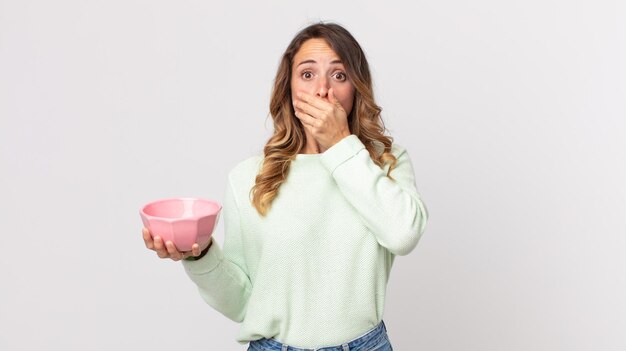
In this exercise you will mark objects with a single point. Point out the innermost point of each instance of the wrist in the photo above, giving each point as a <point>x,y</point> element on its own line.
<point>341,136</point>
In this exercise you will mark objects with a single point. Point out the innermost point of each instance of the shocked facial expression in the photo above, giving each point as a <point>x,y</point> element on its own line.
<point>316,68</point>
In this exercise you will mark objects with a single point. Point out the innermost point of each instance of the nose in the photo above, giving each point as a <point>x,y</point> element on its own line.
<point>322,88</point>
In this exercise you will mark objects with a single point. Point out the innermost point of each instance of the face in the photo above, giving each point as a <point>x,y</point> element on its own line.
<point>317,68</point>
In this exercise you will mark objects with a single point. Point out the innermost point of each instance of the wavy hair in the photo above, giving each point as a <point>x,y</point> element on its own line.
<point>289,137</point>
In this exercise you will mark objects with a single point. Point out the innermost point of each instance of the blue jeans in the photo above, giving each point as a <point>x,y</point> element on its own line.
<point>374,340</point>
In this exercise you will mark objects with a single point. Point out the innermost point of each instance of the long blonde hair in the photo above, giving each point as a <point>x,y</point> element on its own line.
<point>289,137</point>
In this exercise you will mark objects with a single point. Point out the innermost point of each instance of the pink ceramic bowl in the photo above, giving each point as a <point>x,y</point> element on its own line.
<point>184,220</point>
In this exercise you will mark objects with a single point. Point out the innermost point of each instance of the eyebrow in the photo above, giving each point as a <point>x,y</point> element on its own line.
<point>313,61</point>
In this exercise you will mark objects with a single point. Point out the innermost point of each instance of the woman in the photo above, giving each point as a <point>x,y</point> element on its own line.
<point>313,225</point>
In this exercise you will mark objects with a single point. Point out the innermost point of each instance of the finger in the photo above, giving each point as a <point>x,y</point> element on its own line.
<point>332,97</point>
<point>303,106</point>
<point>314,101</point>
<point>306,123</point>
<point>307,119</point>
<point>147,239</point>
<point>158,243</point>
<point>195,250</point>
<point>174,253</point>
<point>334,100</point>
<point>160,248</point>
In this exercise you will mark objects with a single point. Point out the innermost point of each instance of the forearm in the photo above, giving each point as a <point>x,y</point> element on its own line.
<point>221,283</point>
<point>391,208</point>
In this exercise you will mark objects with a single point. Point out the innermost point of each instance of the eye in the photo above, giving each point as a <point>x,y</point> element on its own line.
<point>341,76</point>
<point>307,74</point>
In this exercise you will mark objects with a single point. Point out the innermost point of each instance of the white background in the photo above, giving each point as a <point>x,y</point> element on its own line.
<point>513,113</point>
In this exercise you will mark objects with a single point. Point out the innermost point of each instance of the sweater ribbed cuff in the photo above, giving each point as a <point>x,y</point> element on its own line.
<point>342,151</point>
<point>207,263</point>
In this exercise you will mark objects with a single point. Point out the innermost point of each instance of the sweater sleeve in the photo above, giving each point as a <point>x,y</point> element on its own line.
<point>391,209</point>
<point>221,275</point>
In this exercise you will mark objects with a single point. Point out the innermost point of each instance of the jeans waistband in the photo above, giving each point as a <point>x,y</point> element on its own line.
<point>353,345</point>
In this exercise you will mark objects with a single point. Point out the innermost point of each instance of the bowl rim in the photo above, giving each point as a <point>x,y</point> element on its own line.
<point>143,212</point>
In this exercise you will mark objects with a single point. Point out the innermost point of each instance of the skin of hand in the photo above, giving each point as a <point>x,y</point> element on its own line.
<point>326,120</point>
<point>168,249</point>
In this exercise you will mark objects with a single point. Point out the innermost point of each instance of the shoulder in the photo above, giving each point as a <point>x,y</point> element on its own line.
<point>396,149</point>
<point>246,170</point>
<point>403,160</point>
